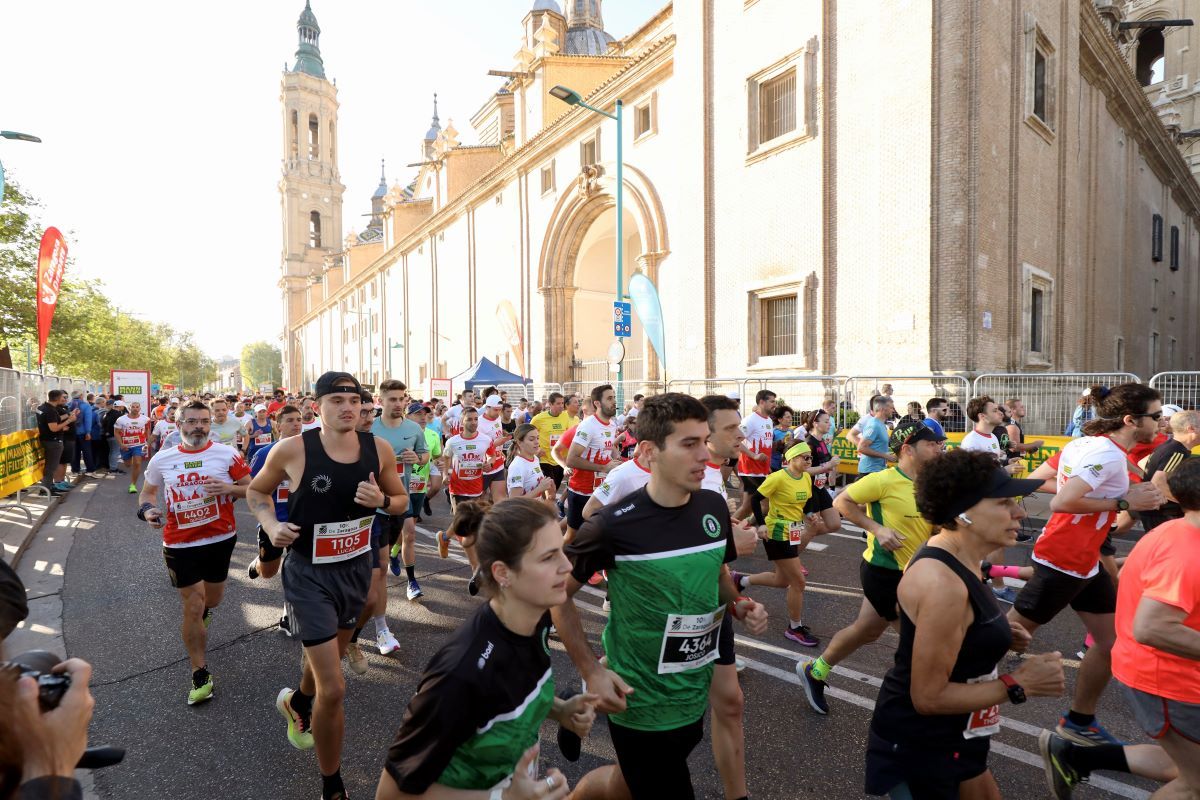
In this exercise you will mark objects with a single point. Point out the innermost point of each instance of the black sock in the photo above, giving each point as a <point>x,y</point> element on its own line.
<point>1109,757</point>
<point>200,677</point>
<point>301,703</point>
<point>354,636</point>
<point>1082,720</point>
<point>331,785</point>
<point>411,571</point>
<point>207,612</point>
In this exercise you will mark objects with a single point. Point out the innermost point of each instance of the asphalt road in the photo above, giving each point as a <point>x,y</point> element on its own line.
<point>121,614</point>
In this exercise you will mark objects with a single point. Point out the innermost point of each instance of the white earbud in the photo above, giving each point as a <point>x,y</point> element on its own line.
<point>965,519</point>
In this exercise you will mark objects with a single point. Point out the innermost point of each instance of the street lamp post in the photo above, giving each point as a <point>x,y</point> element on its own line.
<point>573,98</point>
<point>20,137</point>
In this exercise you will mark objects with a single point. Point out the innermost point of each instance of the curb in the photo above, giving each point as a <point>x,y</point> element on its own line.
<point>50,508</point>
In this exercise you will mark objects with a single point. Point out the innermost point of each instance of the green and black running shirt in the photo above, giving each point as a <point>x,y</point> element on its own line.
<point>664,567</point>
<point>477,709</point>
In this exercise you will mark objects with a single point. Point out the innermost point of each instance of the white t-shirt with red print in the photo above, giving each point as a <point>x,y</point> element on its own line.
<point>193,516</point>
<point>760,438</point>
<point>598,440</point>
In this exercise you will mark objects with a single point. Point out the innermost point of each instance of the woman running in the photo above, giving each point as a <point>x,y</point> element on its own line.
<point>473,724</point>
<point>525,476</point>
<point>823,471</point>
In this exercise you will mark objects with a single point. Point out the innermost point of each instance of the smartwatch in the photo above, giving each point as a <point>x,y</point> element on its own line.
<point>1016,694</point>
<point>387,501</point>
<point>1122,504</point>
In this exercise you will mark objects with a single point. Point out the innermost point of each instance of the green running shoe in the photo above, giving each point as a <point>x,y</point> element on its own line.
<point>299,731</point>
<point>202,693</point>
<point>208,617</point>
<point>1061,777</point>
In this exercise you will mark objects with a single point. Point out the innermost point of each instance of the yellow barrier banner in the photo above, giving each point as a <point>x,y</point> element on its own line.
<point>843,449</point>
<point>24,460</point>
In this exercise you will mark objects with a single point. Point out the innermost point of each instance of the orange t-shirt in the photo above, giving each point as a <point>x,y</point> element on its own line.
<point>1164,566</point>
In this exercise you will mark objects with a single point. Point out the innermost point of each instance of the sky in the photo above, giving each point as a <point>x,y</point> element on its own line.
<point>161,128</point>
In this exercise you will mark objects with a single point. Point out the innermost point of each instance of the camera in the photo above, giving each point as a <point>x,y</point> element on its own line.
<point>37,664</point>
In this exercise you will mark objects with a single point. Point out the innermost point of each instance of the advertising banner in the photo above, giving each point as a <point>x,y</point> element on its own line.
<point>134,384</point>
<point>506,315</point>
<point>52,262</point>
<point>440,389</point>
<point>23,461</point>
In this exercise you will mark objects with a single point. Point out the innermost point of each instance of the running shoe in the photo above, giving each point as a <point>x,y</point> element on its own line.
<point>299,730</point>
<point>802,635</point>
<point>285,624</point>
<point>64,486</point>
<point>356,659</point>
<point>132,489</point>
<point>1086,735</point>
<point>804,570</point>
<point>473,584</point>
<point>1061,777</point>
<point>738,663</point>
<point>595,579</point>
<point>201,693</point>
<point>387,643</point>
<point>814,689</point>
<point>1007,595</point>
<point>737,579</point>
<point>394,562</point>
<point>443,544</point>
<point>414,591</point>
<point>428,510</point>
<point>606,606</point>
<point>252,570</point>
<point>117,471</point>
<point>562,511</point>
<point>208,617</point>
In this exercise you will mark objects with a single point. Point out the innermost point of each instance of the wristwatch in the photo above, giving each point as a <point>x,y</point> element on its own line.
<point>1016,694</point>
<point>387,501</point>
<point>1122,504</point>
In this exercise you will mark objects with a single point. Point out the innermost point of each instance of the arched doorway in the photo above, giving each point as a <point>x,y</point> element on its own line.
<point>577,275</point>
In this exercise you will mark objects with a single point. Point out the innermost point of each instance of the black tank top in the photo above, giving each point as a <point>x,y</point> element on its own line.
<point>325,493</point>
<point>984,644</point>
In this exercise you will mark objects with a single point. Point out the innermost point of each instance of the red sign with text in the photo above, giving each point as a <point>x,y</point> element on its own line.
<point>52,262</point>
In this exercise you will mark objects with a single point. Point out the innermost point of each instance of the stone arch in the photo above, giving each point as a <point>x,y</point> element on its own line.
<point>574,213</point>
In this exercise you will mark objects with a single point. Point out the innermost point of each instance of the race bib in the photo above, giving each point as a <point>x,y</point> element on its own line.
<point>554,437</point>
<point>689,641</point>
<point>341,541</point>
<point>196,512</point>
<point>281,492</point>
<point>795,532</point>
<point>986,721</point>
<point>129,440</point>
<point>416,484</point>
<point>261,439</point>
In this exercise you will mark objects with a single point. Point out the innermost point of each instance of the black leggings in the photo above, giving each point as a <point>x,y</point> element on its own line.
<point>750,483</point>
<point>654,763</point>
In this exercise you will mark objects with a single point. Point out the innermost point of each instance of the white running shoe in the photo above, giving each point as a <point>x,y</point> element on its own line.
<point>387,643</point>
<point>357,659</point>
<point>738,663</point>
<point>606,606</point>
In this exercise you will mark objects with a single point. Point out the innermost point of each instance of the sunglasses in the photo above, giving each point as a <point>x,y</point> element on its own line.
<point>1156,416</point>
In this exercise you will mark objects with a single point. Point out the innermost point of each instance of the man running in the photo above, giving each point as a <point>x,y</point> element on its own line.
<point>287,425</point>
<point>132,429</point>
<point>453,418</point>
<point>591,455</point>
<point>664,547</point>
<point>199,481</point>
<point>1166,458</point>
<point>1093,487</point>
<point>491,426</point>
<point>873,452</point>
<point>895,532</point>
<point>258,432</point>
<point>408,443</point>
<point>228,429</point>
<point>426,479</point>
<point>551,423</point>
<point>337,478</point>
<point>754,460</point>
<point>466,457</point>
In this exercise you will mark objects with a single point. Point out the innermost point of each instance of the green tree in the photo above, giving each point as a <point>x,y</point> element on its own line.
<point>261,363</point>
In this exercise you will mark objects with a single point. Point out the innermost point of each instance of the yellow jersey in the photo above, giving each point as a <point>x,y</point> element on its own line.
<point>788,495</point>
<point>891,501</point>
<point>550,430</point>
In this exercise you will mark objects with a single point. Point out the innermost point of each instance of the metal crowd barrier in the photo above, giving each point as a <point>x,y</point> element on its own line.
<point>530,391</point>
<point>1179,388</point>
<point>1050,397</point>
<point>858,390</point>
<point>22,392</point>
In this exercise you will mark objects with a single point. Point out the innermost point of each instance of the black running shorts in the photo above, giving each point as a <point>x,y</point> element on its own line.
<point>554,471</point>
<point>932,774</point>
<point>575,504</point>
<point>780,551</point>
<point>491,477</point>
<point>879,587</point>
<point>821,499</point>
<point>725,654</point>
<point>654,763</point>
<point>188,566</point>
<point>750,483</point>
<point>325,598</point>
<point>1049,591</point>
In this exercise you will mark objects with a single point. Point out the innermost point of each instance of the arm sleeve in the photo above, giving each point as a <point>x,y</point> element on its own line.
<point>439,719</point>
<point>592,549</point>
<point>866,489</point>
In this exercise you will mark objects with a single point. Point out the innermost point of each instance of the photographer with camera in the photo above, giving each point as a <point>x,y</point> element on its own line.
<point>45,708</point>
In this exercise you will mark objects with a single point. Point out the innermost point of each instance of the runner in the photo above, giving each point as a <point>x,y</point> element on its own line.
<point>791,514</point>
<point>338,477</point>
<point>467,457</point>
<point>590,456</point>
<point>258,432</point>
<point>228,429</point>
<point>452,422</point>
<point>308,415</point>
<point>426,480</point>
<point>823,470</point>
<point>754,461</point>
<point>408,443</point>
<point>988,435</point>
<point>1185,428</point>
<point>525,478</point>
<point>491,425</point>
<point>266,564</point>
<point>199,481</point>
<point>162,429</point>
<point>551,425</point>
<point>132,430</point>
<point>895,531</point>
<point>473,723</point>
<point>664,548</point>
<point>1093,486</point>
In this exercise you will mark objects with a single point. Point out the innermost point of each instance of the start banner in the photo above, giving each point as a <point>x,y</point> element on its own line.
<point>24,460</point>
<point>133,385</point>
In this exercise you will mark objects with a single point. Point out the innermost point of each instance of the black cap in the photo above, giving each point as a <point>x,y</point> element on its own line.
<point>325,384</point>
<point>1001,484</point>
<point>911,433</point>
<point>416,407</point>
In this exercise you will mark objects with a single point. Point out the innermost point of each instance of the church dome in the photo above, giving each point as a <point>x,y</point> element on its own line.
<point>546,5</point>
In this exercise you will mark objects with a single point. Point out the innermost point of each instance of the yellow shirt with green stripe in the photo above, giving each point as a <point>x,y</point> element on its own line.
<point>788,495</point>
<point>891,501</point>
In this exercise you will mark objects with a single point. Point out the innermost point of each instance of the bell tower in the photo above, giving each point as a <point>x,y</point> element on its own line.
<point>310,191</point>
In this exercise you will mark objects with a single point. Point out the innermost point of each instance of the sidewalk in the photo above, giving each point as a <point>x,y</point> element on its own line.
<point>17,529</point>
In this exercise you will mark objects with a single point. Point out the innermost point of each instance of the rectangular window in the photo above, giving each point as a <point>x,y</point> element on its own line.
<point>548,178</point>
<point>1171,353</point>
<point>777,323</point>
<point>1039,84</point>
<point>589,151</point>
<point>1156,226</point>
<point>645,117</point>
<point>374,290</point>
<point>777,106</point>
<point>1174,248</point>
<point>1041,70</point>
<point>1120,355</point>
<point>1037,320</point>
<point>1153,352</point>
